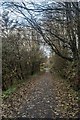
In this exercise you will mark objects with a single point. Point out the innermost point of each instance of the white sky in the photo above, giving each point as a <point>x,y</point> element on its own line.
<point>36,1</point>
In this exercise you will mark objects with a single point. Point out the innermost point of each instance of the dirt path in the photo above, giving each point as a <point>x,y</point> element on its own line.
<point>41,101</point>
<point>42,98</point>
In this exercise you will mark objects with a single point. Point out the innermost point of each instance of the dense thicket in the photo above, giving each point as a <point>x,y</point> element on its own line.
<point>21,53</point>
<point>63,29</point>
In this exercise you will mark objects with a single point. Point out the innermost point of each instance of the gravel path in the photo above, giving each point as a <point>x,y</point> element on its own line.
<point>42,97</point>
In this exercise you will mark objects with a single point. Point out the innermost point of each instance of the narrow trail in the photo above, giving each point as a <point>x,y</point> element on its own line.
<point>41,101</point>
<point>42,98</point>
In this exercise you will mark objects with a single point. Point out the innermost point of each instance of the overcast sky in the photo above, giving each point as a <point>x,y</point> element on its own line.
<point>36,1</point>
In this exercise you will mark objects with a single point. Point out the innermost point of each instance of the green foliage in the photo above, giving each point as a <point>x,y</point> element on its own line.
<point>9,91</point>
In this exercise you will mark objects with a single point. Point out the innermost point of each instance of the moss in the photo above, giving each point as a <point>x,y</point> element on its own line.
<point>8,92</point>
